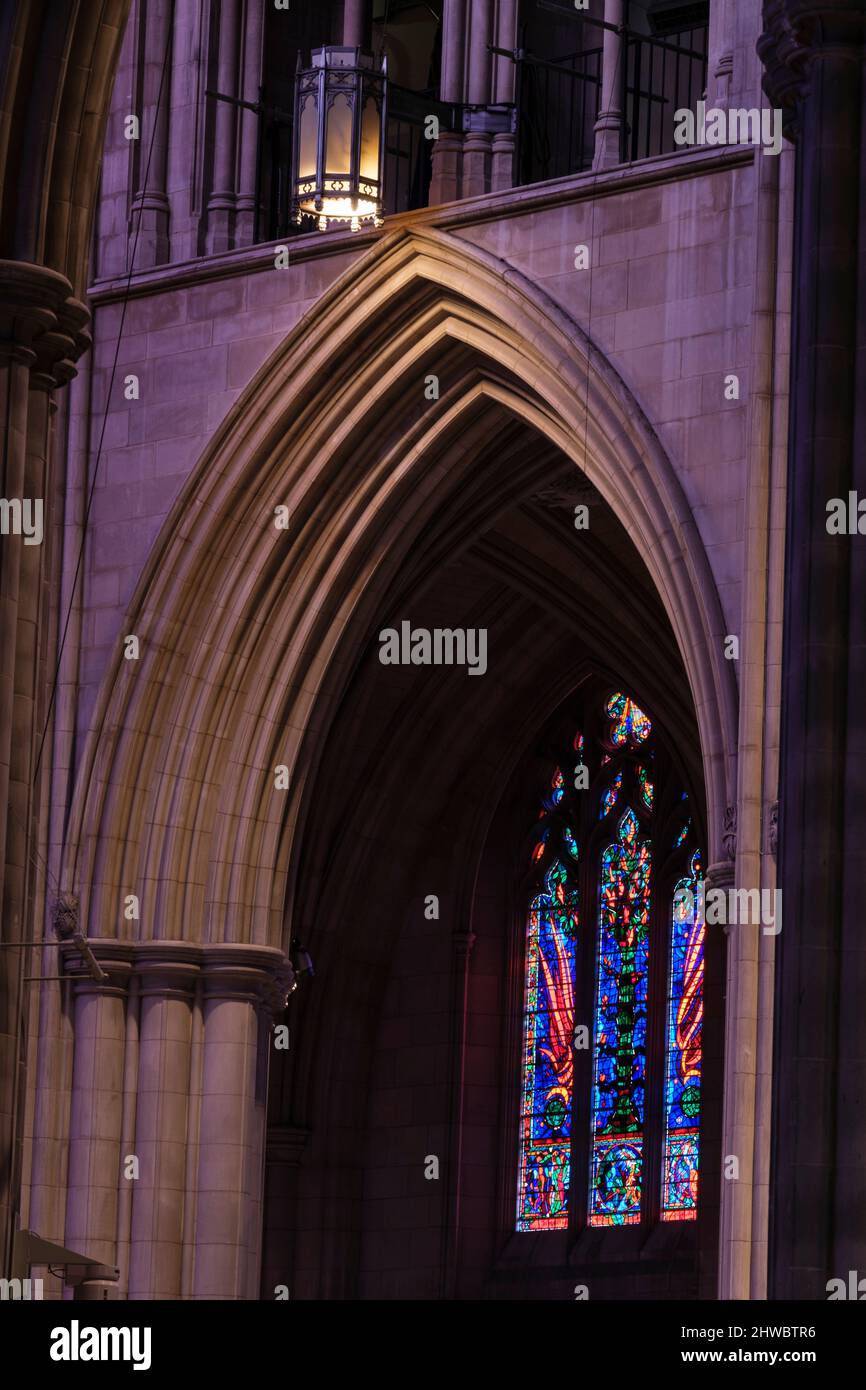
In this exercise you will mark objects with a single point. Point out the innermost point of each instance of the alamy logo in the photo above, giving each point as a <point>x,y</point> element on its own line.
<point>439,646</point>
<point>855,1288</point>
<point>75,1343</point>
<point>26,1289</point>
<point>734,907</point>
<point>739,126</point>
<point>846,517</point>
<point>21,516</point>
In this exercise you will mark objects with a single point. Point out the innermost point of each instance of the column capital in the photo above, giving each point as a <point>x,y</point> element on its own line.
<point>720,875</point>
<point>228,970</point>
<point>166,967</point>
<point>41,322</point>
<point>233,970</point>
<point>796,33</point>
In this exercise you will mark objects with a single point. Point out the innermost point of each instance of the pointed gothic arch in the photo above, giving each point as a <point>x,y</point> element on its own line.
<point>247,640</point>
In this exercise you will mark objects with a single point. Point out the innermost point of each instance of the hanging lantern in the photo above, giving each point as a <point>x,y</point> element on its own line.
<point>338,148</point>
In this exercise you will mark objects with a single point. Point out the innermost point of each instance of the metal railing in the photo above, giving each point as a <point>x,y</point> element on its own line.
<point>661,76</point>
<point>557,105</point>
<point>408,152</point>
<point>558,101</point>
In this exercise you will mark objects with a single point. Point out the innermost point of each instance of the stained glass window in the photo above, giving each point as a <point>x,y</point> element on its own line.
<point>586,1150</point>
<point>620,1029</point>
<point>646,787</point>
<point>608,800</point>
<point>683,1061</point>
<point>630,723</point>
<point>681,837</point>
<point>548,1060</point>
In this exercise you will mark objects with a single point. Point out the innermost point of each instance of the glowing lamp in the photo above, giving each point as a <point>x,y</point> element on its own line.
<point>338,148</point>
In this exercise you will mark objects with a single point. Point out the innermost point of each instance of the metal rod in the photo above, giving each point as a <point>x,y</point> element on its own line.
<point>625,29</point>
<point>663,43</point>
<point>519,55</point>
<point>260,135</point>
<point>29,941</point>
<point>257,106</point>
<point>235,101</point>
<point>626,145</point>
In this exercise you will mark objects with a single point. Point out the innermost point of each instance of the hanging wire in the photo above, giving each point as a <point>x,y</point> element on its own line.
<point>615,87</point>
<point>112,375</point>
<point>383,33</point>
<point>22,1023</point>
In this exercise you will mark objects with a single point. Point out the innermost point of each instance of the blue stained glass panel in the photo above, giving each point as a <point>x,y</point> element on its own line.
<point>544,1179</point>
<point>620,1030</point>
<point>685,1014</point>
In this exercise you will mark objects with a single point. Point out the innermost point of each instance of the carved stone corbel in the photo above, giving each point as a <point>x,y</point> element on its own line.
<point>773,829</point>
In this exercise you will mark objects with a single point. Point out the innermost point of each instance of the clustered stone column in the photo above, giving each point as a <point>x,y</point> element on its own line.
<point>720,56</point>
<point>168,1112</point>
<point>185,130</point>
<point>97,1106</point>
<point>480,158</point>
<point>447,150</point>
<point>222,200</point>
<point>42,332</point>
<point>251,81</point>
<point>150,207</point>
<point>232,202</point>
<point>813,55</point>
<point>166,983</point>
<point>478,142</point>
<point>178,201</point>
<point>231,1125</point>
<point>504,88</point>
<point>608,127</point>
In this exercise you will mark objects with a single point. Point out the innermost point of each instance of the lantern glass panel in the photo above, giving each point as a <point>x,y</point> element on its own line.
<point>338,147</point>
<point>307,142</point>
<point>370,141</point>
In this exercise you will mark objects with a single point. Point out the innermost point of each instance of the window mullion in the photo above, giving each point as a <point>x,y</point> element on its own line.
<point>584,1009</point>
<point>656,1025</point>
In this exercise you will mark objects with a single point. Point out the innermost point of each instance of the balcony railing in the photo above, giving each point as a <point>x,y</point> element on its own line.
<point>558,101</point>
<point>557,104</point>
<point>661,77</point>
